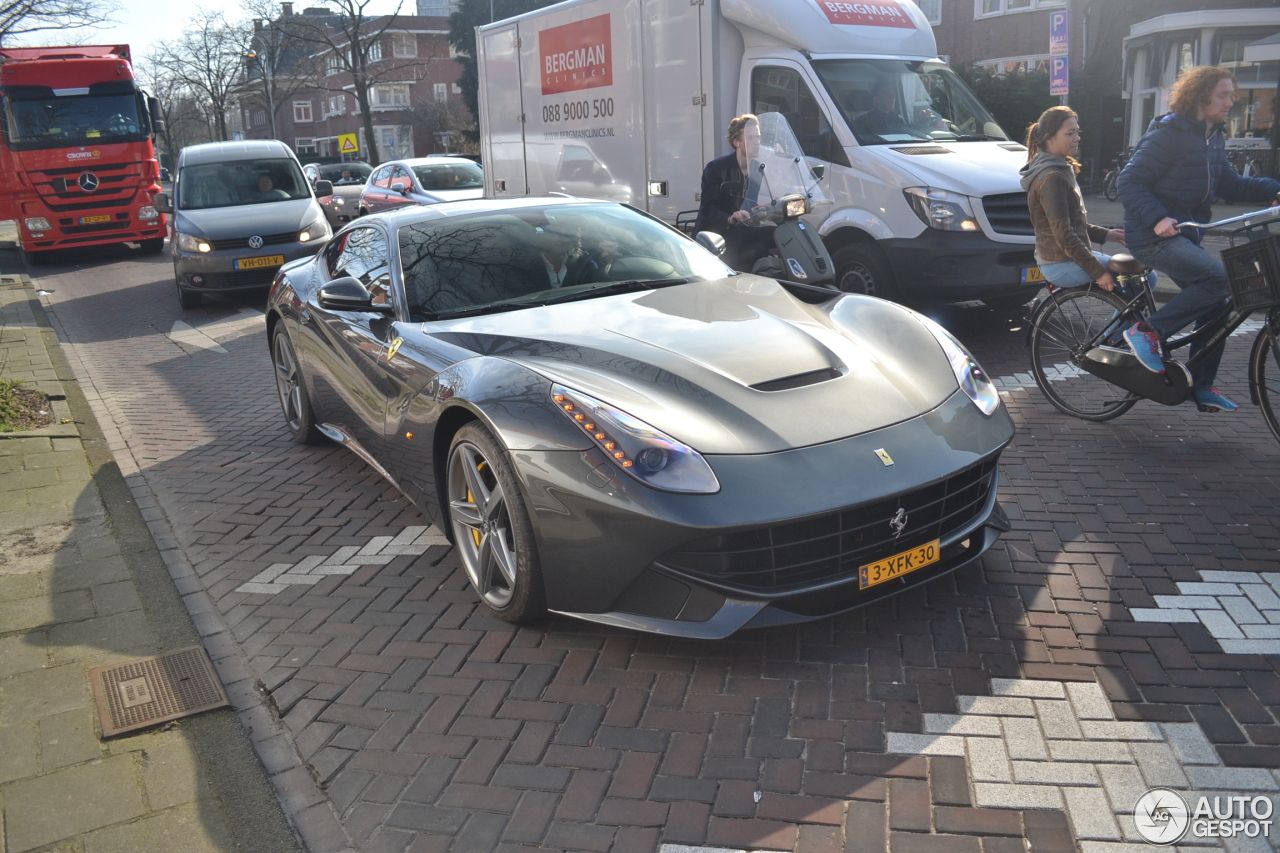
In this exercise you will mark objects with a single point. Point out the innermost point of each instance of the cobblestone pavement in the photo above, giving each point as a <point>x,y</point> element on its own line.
<point>430,727</point>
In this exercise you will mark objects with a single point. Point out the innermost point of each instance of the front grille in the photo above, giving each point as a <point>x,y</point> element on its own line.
<point>1009,214</point>
<point>101,226</point>
<point>267,240</point>
<point>248,278</point>
<point>832,546</point>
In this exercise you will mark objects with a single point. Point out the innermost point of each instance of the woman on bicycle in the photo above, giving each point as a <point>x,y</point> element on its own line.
<point>1057,208</point>
<point>1177,169</point>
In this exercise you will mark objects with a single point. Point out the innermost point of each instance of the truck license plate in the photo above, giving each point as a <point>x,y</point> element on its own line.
<point>899,564</point>
<point>90,220</point>
<point>258,263</point>
<point>1030,275</point>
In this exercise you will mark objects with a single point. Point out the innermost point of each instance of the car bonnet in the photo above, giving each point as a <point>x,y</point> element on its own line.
<point>730,366</point>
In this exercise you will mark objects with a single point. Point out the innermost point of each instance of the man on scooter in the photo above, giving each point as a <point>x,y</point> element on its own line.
<point>1176,170</point>
<point>730,185</point>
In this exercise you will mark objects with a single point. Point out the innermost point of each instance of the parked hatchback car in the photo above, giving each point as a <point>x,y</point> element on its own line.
<point>241,211</point>
<point>348,181</point>
<point>425,180</point>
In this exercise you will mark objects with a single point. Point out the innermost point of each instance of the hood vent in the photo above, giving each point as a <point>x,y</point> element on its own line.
<point>786,383</point>
<point>918,150</point>
<point>1012,146</point>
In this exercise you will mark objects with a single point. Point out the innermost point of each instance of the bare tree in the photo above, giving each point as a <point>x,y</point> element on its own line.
<point>208,58</point>
<point>20,17</point>
<point>278,64</point>
<point>184,122</point>
<point>355,43</point>
<point>449,117</point>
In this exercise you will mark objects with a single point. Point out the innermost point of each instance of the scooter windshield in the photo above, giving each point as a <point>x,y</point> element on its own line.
<point>779,167</point>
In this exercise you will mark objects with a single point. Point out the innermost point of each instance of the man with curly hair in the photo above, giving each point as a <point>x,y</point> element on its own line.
<point>1177,169</point>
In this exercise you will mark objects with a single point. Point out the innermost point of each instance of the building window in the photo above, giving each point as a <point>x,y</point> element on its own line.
<point>457,90</point>
<point>441,92</point>
<point>259,118</point>
<point>394,143</point>
<point>332,64</point>
<point>983,8</point>
<point>390,95</point>
<point>932,11</point>
<point>404,45</point>
<point>304,145</point>
<point>337,105</point>
<point>375,51</point>
<point>454,53</point>
<point>302,111</point>
<point>1015,64</point>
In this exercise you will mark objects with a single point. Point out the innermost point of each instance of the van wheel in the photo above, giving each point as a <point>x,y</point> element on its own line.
<point>188,298</point>
<point>860,268</point>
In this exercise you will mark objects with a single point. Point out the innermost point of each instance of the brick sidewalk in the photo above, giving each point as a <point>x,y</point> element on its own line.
<point>81,586</point>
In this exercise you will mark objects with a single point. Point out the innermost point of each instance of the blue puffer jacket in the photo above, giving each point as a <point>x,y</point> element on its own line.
<point>1177,170</point>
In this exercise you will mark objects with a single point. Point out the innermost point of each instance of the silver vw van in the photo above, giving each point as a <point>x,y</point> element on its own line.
<point>241,210</point>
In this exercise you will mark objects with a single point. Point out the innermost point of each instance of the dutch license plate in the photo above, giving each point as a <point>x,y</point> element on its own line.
<point>899,564</point>
<point>1031,275</point>
<point>90,220</point>
<point>258,263</point>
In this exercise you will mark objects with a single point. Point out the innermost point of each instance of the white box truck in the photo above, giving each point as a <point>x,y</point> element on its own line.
<point>629,99</point>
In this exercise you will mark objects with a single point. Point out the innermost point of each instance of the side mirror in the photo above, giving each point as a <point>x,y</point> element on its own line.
<point>153,109</point>
<point>324,188</point>
<point>400,187</point>
<point>819,171</point>
<point>711,241</point>
<point>161,203</point>
<point>348,294</point>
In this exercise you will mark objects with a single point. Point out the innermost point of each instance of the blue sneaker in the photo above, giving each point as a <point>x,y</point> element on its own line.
<point>1146,346</point>
<point>1210,400</point>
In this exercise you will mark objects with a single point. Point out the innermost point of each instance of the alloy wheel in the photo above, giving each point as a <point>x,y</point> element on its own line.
<point>288,382</point>
<point>482,525</point>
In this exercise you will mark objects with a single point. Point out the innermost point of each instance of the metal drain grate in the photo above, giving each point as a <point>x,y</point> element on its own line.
<point>153,690</point>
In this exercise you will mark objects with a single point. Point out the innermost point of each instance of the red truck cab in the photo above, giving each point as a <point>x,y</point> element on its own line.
<point>77,159</point>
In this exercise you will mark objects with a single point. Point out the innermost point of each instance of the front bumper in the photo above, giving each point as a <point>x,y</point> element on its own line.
<point>216,272</point>
<point>954,266</point>
<point>68,232</point>
<point>605,541</point>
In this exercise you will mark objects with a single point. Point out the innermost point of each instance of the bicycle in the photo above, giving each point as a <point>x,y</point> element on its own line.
<point>1085,369</point>
<point>1111,178</point>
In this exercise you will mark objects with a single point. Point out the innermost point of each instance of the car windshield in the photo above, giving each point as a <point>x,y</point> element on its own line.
<point>897,100</point>
<point>79,120</point>
<point>240,182</point>
<point>450,176</point>
<point>345,173</point>
<point>534,255</point>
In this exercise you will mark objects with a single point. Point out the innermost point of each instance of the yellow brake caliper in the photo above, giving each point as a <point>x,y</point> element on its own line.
<point>475,534</point>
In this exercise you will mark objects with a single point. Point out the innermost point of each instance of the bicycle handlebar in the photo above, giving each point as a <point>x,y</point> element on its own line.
<point>1263,215</point>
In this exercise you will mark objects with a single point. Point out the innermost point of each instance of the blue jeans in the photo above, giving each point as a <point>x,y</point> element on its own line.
<point>1203,281</point>
<point>1069,273</point>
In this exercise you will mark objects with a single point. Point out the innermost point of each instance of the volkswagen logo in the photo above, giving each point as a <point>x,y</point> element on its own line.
<point>255,242</point>
<point>899,522</point>
<point>88,182</point>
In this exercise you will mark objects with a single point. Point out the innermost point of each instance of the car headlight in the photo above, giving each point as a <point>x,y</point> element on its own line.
<point>651,456</point>
<point>148,212</point>
<point>38,223</point>
<point>188,243</point>
<point>339,201</point>
<point>969,374</point>
<point>315,231</point>
<point>942,209</point>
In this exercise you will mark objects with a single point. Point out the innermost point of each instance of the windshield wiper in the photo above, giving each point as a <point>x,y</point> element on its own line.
<point>495,308</point>
<point>610,289</point>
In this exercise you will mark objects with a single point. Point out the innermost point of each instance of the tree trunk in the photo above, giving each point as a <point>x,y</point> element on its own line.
<point>366,119</point>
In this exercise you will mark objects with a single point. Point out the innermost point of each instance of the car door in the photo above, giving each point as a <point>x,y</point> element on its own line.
<point>374,197</point>
<point>350,386</point>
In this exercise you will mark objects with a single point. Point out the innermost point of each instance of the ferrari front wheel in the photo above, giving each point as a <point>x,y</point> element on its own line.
<point>491,526</point>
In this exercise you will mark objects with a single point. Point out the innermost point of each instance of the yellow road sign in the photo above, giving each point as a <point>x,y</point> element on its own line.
<point>347,143</point>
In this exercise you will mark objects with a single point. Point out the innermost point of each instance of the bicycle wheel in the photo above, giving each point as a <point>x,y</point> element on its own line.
<point>1068,324</point>
<point>1112,188</point>
<point>1264,376</point>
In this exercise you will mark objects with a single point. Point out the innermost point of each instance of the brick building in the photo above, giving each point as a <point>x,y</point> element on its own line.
<point>415,92</point>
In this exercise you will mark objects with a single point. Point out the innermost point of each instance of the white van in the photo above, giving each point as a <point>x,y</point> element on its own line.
<point>629,99</point>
